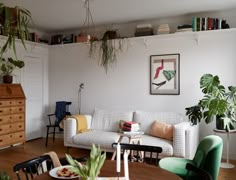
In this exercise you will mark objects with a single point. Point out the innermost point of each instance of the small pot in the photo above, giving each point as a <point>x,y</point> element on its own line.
<point>7,79</point>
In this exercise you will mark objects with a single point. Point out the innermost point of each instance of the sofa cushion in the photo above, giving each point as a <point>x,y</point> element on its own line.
<point>147,118</point>
<point>102,138</point>
<point>166,145</point>
<point>109,120</point>
<point>162,130</point>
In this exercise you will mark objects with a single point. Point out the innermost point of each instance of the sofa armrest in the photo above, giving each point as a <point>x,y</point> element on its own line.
<point>185,139</point>
<point>70,128</point>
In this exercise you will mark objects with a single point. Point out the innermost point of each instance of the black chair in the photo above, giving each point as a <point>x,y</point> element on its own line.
<point>141,153</point>
<point>201,173</point>
<point>33,167</point>
<point>62,110</point>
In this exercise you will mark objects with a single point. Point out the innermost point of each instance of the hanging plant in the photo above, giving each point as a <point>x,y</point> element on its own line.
<point>108,48</point>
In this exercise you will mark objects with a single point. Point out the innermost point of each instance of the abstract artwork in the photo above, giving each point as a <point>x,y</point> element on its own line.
<point>164,74</point>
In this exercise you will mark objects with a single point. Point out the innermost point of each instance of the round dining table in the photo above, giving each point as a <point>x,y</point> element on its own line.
<point>137,171</point>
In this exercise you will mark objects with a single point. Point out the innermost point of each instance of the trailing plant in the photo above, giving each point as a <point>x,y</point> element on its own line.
<point>91,169</point>
<point>15,23</point>
<point>217,104</point>
<point>108,48</point>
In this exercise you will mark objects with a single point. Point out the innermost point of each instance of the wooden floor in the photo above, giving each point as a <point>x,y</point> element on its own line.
<point>10,156</point>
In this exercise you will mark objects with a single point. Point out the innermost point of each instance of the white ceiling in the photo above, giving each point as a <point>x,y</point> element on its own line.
<point>60,15</point>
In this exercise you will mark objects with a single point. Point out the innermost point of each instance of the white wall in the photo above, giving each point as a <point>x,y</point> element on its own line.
<point>126,85</point>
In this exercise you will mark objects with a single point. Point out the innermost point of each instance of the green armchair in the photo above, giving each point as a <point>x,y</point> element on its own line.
<point>207,157</point>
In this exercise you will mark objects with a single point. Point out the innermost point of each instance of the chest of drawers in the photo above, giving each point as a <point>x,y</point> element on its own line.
<point>12,114</point>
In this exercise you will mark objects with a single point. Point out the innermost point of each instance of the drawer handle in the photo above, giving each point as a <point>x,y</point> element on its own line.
<point>0,120</point>
<point>20,117</point>
<point>20,126</point>
<point>20,102</point>
<point>10,135</point>
<point>10,102</point>
<point>0,103</point>
<point>0,129</point>
<point>0,140</point>
<point>20,136</point>
<point>1,111</point>
<point>20,109</point>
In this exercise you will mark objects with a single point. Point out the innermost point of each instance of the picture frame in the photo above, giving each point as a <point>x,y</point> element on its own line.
<point>165,74</point>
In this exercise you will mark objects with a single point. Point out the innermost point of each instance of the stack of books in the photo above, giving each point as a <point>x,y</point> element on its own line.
<point>144,30</point>
<point>163,29</point>
<point>184,28</point>
<point>130,126</point>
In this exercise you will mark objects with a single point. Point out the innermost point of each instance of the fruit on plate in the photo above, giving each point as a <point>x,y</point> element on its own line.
<point>65,172</point>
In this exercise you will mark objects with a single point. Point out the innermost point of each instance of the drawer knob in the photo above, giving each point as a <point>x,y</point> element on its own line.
<point>0,103</point>
<point>0,120</point>
<point>10,135</point>
<point>20,136</point>
<point>20,102</point>
<point>0,140</point>
<point>20,126</point>
<point>0,111</point>
<point>10,102</point>
<point>0,129</point>
<point>20,117</point>
<point>20,109</point>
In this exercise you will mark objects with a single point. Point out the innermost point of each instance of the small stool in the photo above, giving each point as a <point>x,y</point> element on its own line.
<point>132,139</point>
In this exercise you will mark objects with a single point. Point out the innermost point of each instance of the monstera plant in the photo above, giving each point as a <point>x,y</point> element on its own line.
<point>218,103</point>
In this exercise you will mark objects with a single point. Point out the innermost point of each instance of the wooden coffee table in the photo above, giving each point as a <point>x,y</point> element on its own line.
<point>137,171</point>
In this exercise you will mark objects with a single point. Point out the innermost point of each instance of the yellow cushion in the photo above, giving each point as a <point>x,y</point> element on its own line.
<point>162,130</point>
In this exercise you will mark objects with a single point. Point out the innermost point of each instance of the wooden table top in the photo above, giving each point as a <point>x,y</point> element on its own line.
<point>137,171</point>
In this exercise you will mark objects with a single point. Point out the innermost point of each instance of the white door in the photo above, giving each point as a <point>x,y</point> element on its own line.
<point>33,87</point>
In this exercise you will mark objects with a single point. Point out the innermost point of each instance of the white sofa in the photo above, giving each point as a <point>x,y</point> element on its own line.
<point>104,128</point>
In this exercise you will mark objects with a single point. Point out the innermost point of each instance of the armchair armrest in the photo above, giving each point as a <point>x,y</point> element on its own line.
<point>70,128</point>
<point>185,140</point>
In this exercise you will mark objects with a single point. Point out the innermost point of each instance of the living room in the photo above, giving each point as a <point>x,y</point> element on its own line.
<point>127,82</point>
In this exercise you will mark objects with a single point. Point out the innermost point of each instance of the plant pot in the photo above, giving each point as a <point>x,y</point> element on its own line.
<point>7,79</point>
<point>220,124</point>
<point>110,34</point>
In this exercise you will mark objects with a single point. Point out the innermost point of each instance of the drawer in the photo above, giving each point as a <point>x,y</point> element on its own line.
<point>12,102</point>
<point>12,138</point>
<point>19,126</point>
<point>6,119</point>
<point>9,128</point>
<point>11,110</point>
<point>4,129</point>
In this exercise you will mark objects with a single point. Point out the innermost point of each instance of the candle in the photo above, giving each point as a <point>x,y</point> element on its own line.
<point>118,158</point>
<point>126,167</point>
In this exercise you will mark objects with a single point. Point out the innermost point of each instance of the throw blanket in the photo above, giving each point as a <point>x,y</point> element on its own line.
<point>81,122</point>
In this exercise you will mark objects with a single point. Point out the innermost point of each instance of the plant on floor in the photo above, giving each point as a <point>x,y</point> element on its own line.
<point>217,104</point>
<point>92,167</point>
<point>4,176</point>
<point>109,46</point>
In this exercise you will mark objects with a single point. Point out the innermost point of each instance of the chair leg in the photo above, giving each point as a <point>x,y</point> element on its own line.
<point>54,130</point>
<point>47,137</point>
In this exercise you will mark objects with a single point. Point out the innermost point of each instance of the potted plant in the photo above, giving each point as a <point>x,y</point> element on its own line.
<point>108,48</point>
<point>217,104</point>
<point>91,169</point>
<point>14,22</point>
<point>7,67</point>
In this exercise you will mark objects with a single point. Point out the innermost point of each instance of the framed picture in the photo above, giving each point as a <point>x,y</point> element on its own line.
<point>164,74</point>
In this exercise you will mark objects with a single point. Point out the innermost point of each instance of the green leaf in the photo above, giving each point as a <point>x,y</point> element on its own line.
<point>208,83</point>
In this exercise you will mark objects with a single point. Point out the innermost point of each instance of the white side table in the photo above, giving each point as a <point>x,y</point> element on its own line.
<point>226,164</point>
<point>133,137</point>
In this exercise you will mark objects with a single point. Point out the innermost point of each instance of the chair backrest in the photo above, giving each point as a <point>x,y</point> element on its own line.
<point>141,153</point>
<point>62,109</point>
<point>208,155</point>
<point>202,174</point>
<point>33,167</point>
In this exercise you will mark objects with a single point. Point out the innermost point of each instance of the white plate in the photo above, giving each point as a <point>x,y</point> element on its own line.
<point>53,173</point>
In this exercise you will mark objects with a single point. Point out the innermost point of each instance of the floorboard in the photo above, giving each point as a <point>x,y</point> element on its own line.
<point>13,155</point>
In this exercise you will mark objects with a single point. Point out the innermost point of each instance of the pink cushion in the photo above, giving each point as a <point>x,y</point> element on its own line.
<point>162,130</point>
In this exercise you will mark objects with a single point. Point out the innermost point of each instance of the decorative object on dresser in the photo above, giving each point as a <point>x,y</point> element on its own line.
<point>12,114</point>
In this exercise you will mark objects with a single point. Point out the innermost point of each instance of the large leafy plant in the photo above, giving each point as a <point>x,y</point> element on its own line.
<point>91,168</point>
<point>217,103</point>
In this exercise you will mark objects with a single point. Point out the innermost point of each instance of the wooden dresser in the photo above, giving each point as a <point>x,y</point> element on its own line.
<point>12,114</point>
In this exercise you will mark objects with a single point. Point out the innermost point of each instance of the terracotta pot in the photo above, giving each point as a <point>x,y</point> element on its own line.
<point>7,79</point>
